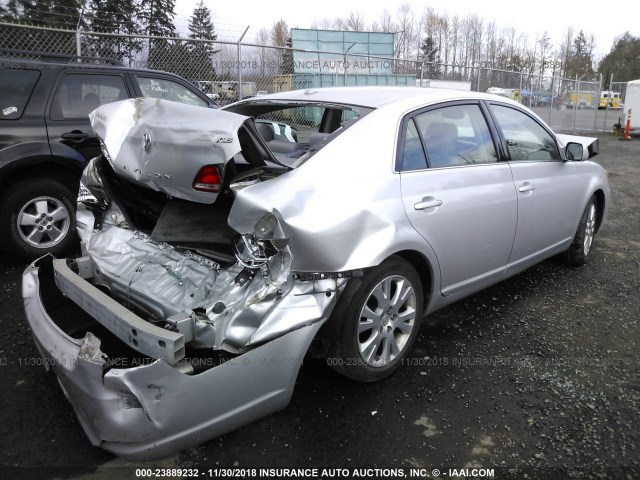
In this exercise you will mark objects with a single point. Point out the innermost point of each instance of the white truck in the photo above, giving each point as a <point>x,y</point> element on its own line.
<point>632,102</point>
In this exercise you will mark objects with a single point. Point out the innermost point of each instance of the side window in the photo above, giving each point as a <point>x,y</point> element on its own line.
<point>526,139</point>
<point>79,94</point>
<point>168,90</point>
<point>456,135</point>
<point>16,86</point>
<point>413,154</point>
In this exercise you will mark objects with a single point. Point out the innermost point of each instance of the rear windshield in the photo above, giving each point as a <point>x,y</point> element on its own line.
<point>16,86</point>
<point>295,131</point>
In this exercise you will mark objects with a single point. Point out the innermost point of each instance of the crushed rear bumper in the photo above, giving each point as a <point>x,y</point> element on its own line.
<point>153,409</point>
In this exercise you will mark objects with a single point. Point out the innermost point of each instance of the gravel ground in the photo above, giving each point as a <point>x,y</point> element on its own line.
<point>537,377</point>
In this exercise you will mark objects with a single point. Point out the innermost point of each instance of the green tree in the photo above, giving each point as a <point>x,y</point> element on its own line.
<point>579,60</point>
<point>429,57</point>
<point>623,61</point>
<point>201,53</point>
<point>59,14</point>
<point>12,11</point>
<point>111,16</point>
<point>157,17</point>
<point>63,14</point>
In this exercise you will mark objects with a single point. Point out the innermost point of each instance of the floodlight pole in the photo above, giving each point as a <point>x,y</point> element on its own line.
<point>425,57</point>
<point>78,44</point>
<point>239,96</point>
<point>345,62</point>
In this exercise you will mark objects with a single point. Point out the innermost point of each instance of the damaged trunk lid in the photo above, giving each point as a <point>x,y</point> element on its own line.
<point>177,149</point>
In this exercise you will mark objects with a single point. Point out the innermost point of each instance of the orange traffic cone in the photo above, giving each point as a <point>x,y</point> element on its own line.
<point>627,129</point>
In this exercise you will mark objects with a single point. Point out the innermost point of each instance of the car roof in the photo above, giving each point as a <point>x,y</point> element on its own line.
<point>83,65</point>
<point>374,96</point>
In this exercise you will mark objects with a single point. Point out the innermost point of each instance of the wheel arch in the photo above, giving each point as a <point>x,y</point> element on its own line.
<point>600,207</point>
<point>48,167</point>
<point>424,270</point>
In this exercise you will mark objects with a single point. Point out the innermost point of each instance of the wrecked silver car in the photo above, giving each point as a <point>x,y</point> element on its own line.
<point>217,245</point>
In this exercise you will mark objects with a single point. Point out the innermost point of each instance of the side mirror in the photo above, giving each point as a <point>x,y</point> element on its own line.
<point>574,151</point>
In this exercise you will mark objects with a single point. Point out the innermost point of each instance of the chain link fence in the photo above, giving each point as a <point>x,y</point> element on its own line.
<point>228,71</point>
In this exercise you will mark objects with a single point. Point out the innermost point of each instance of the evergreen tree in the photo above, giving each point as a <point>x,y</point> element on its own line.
<point>157,16</point>
<point>59,14</point>
<point>13,11</point>
<point>62,14</point>
<point>623,60</point>
<point>201,53</point>
<point>579,61</point>
<point>429,58</point>
<point>112,16</point>
<point>200,24</point>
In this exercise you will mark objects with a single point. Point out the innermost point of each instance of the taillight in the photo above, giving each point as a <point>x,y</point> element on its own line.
<point>208,179</point>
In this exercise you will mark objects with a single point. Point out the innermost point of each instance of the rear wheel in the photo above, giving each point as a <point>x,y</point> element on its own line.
<point>580,250</point>
<point>37,217</point>
<point>378,322</point>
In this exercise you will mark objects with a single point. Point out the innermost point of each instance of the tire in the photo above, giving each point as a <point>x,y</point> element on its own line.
<point>37,217</point>
<point>580,250</point>
<point>374,329</point>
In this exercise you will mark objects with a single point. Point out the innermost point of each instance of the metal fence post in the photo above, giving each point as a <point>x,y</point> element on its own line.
<point>576,88</point>
<point>520,88</point>
<point>553,85</point>
<point>595,115</point>
<point>78,28</point>
<point>606,108</point>
<point>239,90</point>
<point>344,67</point>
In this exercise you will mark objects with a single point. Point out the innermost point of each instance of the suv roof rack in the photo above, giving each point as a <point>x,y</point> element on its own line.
<point>56,57</point>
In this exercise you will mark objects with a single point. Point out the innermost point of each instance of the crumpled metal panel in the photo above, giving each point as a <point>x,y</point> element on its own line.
<point>166,282</point>
<point>153,410</point>
<point>162,144</point>
<point>342,209</point>
<point>155,273</point>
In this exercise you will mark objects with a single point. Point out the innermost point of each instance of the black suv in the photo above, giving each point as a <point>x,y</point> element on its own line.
<point>46,139</point>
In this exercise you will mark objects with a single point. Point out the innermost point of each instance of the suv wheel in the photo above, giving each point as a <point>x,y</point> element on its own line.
<point>37,217</point>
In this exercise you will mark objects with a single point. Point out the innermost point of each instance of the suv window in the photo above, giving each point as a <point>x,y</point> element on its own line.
<point>79,94</point>
<point>16,86</point>
<point>168,90</point>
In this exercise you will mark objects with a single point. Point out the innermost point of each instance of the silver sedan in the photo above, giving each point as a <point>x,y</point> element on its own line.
<point>220,246</point>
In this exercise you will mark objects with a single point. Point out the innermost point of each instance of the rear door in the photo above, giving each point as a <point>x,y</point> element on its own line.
<point>76,94</point>
<point>21,107</point>
<point>457,194</point>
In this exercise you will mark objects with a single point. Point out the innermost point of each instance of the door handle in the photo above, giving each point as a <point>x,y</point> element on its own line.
<point>526,187</point>
<point>75,135</point>
<point>427,202</point>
